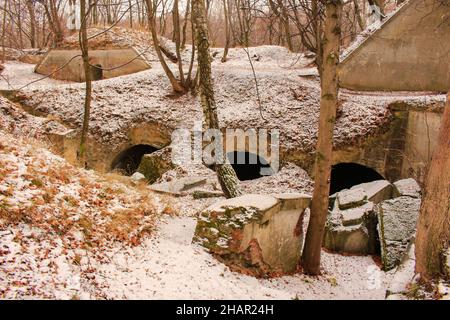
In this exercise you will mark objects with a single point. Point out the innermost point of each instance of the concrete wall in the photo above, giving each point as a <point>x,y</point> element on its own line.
<point>411,52</point>
<point>258,235</point>
<point>120,61</point>
<point>101,156</point>
<point>404,150</point>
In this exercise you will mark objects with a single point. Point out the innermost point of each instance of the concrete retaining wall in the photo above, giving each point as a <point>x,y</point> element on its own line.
<point>404,150</point>
<point>411,52</point>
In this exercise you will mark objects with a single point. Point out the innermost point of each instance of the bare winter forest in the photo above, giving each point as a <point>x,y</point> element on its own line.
<point>225,149</point>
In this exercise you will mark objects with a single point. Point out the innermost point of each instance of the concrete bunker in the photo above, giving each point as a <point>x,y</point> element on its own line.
<point>108,62</point>
<point>348,174</point>
<point>127,161</point>
<point>410,52</point>
<point>249,166</point>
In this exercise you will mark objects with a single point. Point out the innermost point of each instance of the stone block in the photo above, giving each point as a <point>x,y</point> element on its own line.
<point>351,198</point>
<point>260,235</point>
<point>407,187</point>
<point>396,225</point>
<point>377,190</point>
<point>155,164</point>
<point>178,186</point>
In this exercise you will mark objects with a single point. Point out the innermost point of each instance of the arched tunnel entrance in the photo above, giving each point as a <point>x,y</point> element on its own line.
<point>346,175</point>
<point>249,166</point>
<point>127,162</point>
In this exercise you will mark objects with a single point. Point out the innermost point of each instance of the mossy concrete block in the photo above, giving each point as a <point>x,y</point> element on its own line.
<point>155,164</point>
<point>260,235</point>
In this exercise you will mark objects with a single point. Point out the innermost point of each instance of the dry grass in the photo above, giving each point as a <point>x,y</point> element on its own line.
<point>61,199</point>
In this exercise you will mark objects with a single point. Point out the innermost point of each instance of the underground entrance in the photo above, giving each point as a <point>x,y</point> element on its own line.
<point>346,175</point>
<point>97,72</point>
<point>128,160</point>
<point>249,166</point>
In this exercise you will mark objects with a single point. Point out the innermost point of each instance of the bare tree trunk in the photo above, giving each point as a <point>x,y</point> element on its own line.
<point>360,15</point>
<point>433,228</point>
<point>177,38</point>
<point>225,172</point>
<point>318,30</point>
<point>88,78</point>
<point>227,31</point>
<point>53,22</point>
<point>131,13</point>
<point>59,35</point>
<point>3,32</point>
<point>176,85</point>
<point>185,23</point>
<point>18,9</point>
<point>328,106</point>
<point>284,18</point>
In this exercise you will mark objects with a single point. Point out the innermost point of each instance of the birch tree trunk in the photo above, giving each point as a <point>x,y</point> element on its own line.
<point>328,106</point>
<point>433,228</point>
<point>88,78</point>
<point>225,172</point>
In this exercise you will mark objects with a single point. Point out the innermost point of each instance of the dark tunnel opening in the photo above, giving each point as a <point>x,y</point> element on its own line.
<point>127,162</point>
<point>248,165</point>
<point>346,175</point>
<point>97,72</point>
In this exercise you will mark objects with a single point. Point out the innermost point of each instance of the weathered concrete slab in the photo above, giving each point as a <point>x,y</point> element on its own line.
<point>260,235</point>
<point>154,164</point>
<point>202,194</point>
<point>410,52</point>
<point>66,64</point>
<point>396,225</point>
<point>376,191</point>
<point>354,216</point>
<point>352,220</point>
<point>178,186</point>
<point>350,239</point>
<point>351,231</point>
<point>351,198</point>
<point>407,187</point>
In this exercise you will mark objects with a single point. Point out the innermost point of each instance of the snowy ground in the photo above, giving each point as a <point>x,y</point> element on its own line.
<point>17,75</point>
<point>170,267</point>
<point>47,251</point>
<point>40,260</point>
